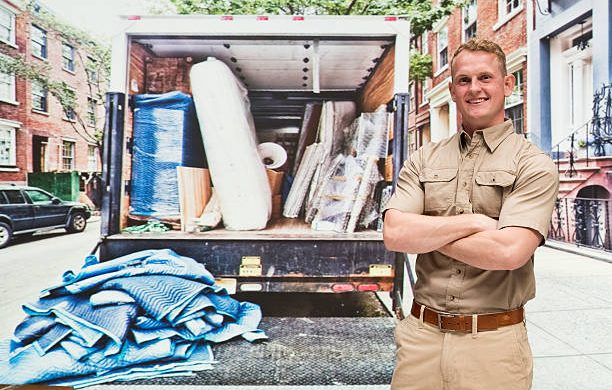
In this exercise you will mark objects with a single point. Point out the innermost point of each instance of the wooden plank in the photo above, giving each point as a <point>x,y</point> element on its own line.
<point>194,193</point>
<point>379,88</point>
<point>277,230</point>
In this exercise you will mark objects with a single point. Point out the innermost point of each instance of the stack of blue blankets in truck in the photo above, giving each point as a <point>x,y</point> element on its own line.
<point>150,313</point>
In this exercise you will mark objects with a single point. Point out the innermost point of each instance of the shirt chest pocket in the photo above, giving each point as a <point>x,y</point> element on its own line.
<point>440,185</point>
<point>490,191</point>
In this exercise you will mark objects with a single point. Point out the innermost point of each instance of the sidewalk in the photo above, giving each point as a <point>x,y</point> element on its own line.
<point>570,321</point>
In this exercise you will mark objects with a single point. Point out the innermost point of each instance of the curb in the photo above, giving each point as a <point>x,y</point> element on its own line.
<point>580,250</point>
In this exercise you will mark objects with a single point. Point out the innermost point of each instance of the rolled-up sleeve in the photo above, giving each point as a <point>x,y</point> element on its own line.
<point>531,201</point>
<point>409,194</point>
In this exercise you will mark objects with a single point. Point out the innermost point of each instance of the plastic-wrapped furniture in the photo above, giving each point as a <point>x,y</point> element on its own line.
<point>165,136</point>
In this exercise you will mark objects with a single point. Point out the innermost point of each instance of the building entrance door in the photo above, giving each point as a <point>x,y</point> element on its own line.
<point>39,150</point>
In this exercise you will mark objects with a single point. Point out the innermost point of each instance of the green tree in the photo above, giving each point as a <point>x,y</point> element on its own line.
<point>94,58</point>
<point>421,12</point>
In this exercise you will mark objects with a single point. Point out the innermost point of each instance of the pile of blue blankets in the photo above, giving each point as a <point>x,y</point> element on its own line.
<point>150,313</point>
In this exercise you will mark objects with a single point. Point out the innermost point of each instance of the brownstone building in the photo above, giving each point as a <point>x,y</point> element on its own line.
<point>433,114</point>
<point>36,134</point>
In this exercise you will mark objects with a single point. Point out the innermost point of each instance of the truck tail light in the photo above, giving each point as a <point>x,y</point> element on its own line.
<point>263,18</point>
<point>390,18</point>
<point>297,18</point>
<point>227,18</point>
<point>368,287</point>
<point>343,287</point>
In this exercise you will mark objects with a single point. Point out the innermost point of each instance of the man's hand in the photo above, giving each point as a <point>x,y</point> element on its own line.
<point>415,233</point>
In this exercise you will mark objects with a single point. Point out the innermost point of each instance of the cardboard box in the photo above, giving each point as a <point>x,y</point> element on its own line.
<point>389,168</point>
<point>276,181</point>
<point>277,206</point>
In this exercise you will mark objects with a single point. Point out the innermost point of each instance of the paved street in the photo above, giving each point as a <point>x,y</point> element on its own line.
<point>568,322</point>
<point>31,263</point>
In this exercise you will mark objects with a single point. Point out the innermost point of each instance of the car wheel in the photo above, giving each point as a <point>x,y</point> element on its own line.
<point>5,234</point>
<point>77,222</point>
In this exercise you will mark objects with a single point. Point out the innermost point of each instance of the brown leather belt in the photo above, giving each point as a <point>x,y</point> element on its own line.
<point>463,322</point>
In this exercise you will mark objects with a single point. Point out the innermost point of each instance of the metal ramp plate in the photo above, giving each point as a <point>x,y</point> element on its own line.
<point>303,351</point>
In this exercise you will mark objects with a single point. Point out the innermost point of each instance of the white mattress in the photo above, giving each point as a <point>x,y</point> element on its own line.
<point>228,133</point>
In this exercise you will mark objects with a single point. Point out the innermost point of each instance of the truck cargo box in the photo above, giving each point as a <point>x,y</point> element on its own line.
<point>288,64</point>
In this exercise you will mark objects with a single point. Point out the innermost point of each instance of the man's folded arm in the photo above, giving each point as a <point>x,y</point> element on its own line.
<point>504,249</point>
<point>415,233</point>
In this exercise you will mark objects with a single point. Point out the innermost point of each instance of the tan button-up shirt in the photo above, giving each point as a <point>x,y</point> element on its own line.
<point>495,172</point>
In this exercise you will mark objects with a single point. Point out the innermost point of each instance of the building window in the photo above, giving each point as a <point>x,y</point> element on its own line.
<point>470,12</point>
<point>511,6</point>
<point>7,87</point>
<point>91,112</point>
<point>39,97</point>
<point>424,43</point>
<point>92,70</point>
<point>68,155</point>
<point>516,114</point>
<point>92,158</point>
<point>70,114</point>
<point>514,103</point>
<point>68,57</point>
<point>39,42</point>
<point>517,93</point>
<point>7,146</point>
<point>424,91</point>
<point>7,25</point>
<point>412,89</point>
<point>442,47</point>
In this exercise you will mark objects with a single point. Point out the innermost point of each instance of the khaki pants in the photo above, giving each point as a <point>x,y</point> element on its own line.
<point>429,359</point>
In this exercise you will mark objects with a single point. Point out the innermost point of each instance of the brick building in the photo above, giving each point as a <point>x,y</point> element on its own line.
<point>36,135</point>
<point>433,113</point>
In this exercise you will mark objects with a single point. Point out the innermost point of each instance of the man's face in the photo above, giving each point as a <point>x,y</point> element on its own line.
<point>479,88</point>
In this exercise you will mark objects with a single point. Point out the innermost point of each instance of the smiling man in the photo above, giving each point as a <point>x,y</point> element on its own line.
<point>474,207</point>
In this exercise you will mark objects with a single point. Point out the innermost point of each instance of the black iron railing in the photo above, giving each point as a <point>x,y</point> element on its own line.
<point>602,121</point>
<point>592,139</point>
<point>582,221</point>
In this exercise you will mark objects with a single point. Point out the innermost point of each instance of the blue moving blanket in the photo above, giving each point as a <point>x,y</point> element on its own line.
<point>150,313</point>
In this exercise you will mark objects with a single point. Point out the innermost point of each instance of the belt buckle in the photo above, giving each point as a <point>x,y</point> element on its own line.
<point>444,315</point>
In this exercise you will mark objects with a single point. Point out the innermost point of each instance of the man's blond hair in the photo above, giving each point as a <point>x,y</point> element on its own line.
<point>478,44</point>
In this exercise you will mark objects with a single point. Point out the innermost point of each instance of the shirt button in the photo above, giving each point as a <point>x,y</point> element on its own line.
<point>460,211</point>
<point>458,271</point>
<point>465,183</point>
<point>452,297</point>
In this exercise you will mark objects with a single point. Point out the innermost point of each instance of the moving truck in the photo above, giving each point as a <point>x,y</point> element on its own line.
<point>286,62</point>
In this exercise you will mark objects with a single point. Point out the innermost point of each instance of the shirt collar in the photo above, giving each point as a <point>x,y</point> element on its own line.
<point>493,136</point>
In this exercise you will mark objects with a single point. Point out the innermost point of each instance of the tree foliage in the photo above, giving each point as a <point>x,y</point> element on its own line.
<point>95,59</point>
<point>421,66</point>
<point>421,12</point>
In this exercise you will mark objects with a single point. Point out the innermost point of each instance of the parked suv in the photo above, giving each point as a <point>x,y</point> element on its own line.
<point>25,210</point>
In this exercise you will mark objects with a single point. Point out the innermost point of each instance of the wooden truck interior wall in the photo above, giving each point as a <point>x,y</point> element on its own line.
<point>148,73</point>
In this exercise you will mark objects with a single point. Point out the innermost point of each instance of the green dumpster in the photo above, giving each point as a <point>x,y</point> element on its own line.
<point>64,185</point>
